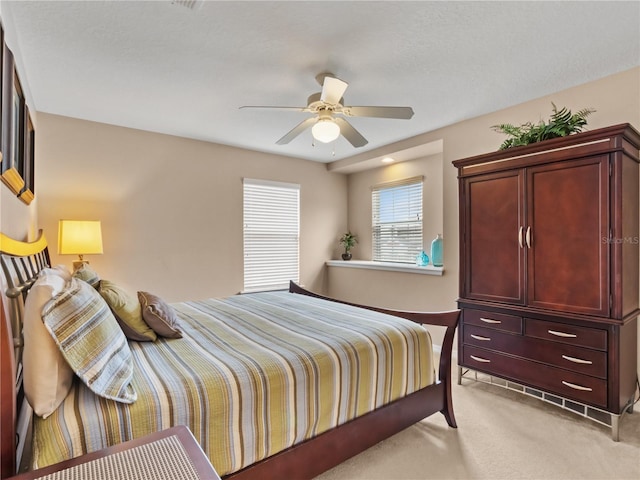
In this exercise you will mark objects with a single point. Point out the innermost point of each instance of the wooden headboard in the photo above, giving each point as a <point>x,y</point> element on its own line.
<point>20,263</point>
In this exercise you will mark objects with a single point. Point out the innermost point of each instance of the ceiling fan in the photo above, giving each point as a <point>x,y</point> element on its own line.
<point>326,125</point>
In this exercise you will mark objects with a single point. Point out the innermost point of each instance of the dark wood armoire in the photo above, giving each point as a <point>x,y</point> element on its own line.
<point>549,269</point>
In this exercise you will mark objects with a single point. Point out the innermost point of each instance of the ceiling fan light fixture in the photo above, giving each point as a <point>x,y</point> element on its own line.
<point>325,130</point>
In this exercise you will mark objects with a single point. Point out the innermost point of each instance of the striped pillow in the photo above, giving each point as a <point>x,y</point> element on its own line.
<point>91,341</point>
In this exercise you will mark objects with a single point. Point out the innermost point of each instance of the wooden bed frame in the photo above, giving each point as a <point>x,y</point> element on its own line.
<point>21,263</point>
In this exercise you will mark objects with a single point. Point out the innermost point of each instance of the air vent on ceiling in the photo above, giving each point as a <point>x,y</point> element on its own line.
<point>190,4</point>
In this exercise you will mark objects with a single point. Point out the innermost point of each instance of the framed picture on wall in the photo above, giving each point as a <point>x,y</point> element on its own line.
<point>17,136</point>
<point>28,191</point>
<point>1,95</point>
<point>11,163</point>
<point>18,124</point>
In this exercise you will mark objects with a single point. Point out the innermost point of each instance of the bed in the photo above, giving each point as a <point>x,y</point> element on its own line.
<point>272,385</point>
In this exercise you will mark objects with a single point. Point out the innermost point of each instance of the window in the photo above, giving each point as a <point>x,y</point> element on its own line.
<point>271,234</point>
<point>397,220</point>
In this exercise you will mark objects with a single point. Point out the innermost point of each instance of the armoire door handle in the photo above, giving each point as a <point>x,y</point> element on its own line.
<point>528,237</point>
<point>520,236</point>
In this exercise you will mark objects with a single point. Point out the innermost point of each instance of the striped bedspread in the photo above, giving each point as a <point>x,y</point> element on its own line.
<point>253,375</point>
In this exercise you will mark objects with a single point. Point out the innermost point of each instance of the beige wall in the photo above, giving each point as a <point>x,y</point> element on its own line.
<point>16,219</point>
<point>616,99</point>
<point>171,208</point>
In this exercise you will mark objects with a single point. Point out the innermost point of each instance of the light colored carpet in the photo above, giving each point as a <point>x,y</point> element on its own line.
<point>501,434</point>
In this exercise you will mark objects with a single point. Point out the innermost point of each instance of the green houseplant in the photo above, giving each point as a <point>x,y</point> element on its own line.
<point>348,241</point>
<point>561,123</point>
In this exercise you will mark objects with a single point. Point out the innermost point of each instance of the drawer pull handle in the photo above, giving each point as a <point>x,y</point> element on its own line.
<point>577,387</point>
<point>562,334</point>
<point>480,337</point>
<point>577,360</point>
<point>489,320</point>
<point>480,359</point>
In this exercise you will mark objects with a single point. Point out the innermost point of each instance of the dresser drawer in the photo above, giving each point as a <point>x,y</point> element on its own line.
<point>564,383</point>
<point>563,333</point>
<point>497,321</point>
<point>576,359</point>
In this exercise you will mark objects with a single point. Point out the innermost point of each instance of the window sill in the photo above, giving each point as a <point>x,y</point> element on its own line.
<point>388,266</point>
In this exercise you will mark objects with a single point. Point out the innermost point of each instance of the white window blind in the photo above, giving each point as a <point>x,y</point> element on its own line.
<point>397,220</point>
<point>271,234</point>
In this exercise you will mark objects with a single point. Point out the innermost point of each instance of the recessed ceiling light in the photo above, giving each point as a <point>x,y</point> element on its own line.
<point>388,160</point>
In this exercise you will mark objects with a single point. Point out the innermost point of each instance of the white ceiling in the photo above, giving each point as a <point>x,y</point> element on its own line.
<point>163,67</point>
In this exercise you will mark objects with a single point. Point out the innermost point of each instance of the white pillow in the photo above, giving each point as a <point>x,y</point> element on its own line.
<point>47,375</point>
<point>61,270</point>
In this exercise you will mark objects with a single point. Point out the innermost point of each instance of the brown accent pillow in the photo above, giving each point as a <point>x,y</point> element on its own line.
<point>159,315</point>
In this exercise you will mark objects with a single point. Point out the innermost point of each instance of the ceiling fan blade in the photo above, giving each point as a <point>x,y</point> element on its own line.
<point>332,90</point>
<point>297,109</point>
<point>351,134</point>
<point>297,130</point>
<point>404,113</point>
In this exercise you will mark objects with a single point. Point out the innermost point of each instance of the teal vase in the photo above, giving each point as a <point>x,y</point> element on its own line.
<point>422,260</point>
<point>436,251</point>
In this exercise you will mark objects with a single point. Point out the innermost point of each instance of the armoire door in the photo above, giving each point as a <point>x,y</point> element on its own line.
<point>567,236</point>
<point>494,262</point>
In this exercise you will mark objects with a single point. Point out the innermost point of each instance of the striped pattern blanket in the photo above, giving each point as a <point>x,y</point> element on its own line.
<point>253,375</point>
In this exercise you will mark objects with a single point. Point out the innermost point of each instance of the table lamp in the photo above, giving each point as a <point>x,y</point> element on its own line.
<point>79,237</point>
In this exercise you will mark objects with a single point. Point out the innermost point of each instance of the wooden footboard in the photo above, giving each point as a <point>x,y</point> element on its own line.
<point>309,459</point>
<point>312,457</point>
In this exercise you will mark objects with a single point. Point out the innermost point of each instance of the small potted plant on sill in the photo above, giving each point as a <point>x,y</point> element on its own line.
<point>348,241</point>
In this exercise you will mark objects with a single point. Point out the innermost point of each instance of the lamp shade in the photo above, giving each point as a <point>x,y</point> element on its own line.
<point>79,237</point>
<point>325,130</point>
